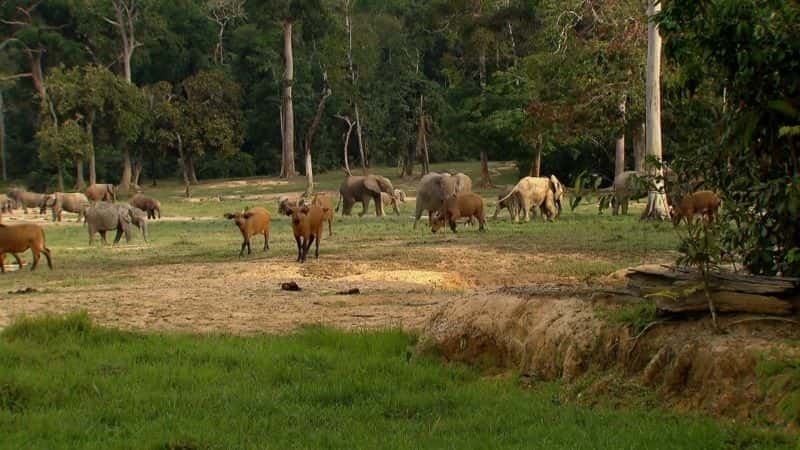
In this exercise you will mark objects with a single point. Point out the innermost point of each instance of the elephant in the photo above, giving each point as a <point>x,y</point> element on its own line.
<point>628,185</point>
<point>73,202</point>
<point>364,189</point>
<point>148,204</point>
<point>25,199</point>
<point>101,192</point>
<point>103,216</point>
<point>510,203</point>
<point>434,188</point>
<point>463,182</point>
<point>6,204</point>
<point>535,192</point>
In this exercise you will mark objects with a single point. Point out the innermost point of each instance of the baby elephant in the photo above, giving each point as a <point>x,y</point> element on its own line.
<point>389,200</point>
<point>16,239</point>
<point>705,203</point>
<point>103,217</point>
<point>465,205</point>
<point>147,204</point>
<point>307,227</point>
<point>251,222</point>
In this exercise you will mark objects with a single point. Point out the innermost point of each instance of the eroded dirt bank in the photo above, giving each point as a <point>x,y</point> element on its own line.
<point>689,366</point>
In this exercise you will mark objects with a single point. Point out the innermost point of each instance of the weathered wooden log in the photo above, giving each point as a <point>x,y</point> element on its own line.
<point>653,277</point>
<point>724,301</point>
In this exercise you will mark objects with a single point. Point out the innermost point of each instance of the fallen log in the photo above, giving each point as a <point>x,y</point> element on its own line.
<point>654,277</point>
<point>724,301</point>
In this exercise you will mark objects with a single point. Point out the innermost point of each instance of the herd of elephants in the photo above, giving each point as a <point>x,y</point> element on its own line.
<point>446,197</point>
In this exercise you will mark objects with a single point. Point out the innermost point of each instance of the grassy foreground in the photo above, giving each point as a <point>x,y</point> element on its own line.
<point>67,384</point>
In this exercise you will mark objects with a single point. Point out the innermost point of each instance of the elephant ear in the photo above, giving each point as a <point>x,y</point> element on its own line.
<point>372,184</point>
<point>386,185</point>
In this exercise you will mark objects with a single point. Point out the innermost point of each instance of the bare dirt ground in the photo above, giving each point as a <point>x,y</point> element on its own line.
<point>245,297</point>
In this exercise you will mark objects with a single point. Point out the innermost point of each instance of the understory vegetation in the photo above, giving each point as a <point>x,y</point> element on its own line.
<point>66,383</point>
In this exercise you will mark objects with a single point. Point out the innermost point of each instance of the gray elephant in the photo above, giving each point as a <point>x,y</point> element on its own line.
<point>74,202</point>
<point>536,192</point>
<point>148,204</point>
<point>434,188</point>
<point>101,192</point>
<point>364,189</point>
<point>629,185</point>
<point>103,216</point>
<point>510,203</point>
<point>25,199</point>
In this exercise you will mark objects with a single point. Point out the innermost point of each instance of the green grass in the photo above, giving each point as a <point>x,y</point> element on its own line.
<point>67,384</point>
<point>581,244</point>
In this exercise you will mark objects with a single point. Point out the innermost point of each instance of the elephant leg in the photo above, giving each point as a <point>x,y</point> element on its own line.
<point>365,204</point>
<point>103,237</point>
<point>625,207</point>
<point>378,205</point>
<point>615,206</point>
<point>417,215</point>
<point>118,236</point>
<point>526,210</point>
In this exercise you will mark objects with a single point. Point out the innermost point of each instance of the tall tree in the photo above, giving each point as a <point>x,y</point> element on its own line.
<point>657,198</point>
<point>224,13</point>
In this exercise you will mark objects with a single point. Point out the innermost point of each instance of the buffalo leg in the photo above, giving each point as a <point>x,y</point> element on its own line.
<point>316,252</point>
<point>299,248</point>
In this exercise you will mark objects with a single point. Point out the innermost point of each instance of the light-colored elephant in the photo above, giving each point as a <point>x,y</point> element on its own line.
<point>103,216</point>
<point>393,201</point>
<point>463,183</point>
<point>536,192</point>
<point>101,192</point>
<point>73,202</point>
<point>434,188</point>
<point>364,189</point>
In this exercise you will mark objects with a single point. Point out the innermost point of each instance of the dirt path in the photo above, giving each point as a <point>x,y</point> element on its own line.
<point>245,297</point>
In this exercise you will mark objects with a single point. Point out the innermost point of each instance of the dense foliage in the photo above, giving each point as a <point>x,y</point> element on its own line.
<point>745,54</point>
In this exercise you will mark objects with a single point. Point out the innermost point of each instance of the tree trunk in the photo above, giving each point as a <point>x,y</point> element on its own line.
<point>92,168</point>
<point>37,76</point>
<point>482,67</point>
<point>638,149</point>
<point>3,139</point>
<point>60,176</point>
<point>80,183</point>
<point>184,165</point>
<point>125,180</point>
<point>420,149</point>
<point>137,173</point>
<point>347,145</point>
<point>656,198</point>
<point>288,169</point>
<point>619,154</point>
<point>486,179</point>
<point>360,141</point>
<point>190,166</point>
<point>536,167</point>
<point>310,137</point>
